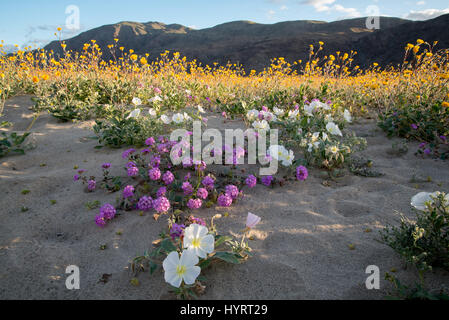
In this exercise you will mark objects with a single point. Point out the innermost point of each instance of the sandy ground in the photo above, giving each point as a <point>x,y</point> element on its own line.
<point>301,248</point>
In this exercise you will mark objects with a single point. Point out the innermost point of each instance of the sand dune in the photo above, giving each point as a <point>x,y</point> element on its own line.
<point>301,247</point>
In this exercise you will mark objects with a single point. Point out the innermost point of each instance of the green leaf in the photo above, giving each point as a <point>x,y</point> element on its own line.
<point>168,246</point>
<point>221,239</point>
<point>227,257</point>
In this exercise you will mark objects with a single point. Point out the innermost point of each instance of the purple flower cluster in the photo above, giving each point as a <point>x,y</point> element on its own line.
<point>208,182</point>
<point>107,212</point>
<point>91,185</point>
<point>267,180</point>
<point>150,142</point>
<point>232,191</point>
<point>128,192</point>
<point>177,231</point>
<point>194,204</point>
<point>187,188</point>
<point>133,171</point>
<point>161,192</point>
<point>197,221</point>
<point>224,200</point>
<point>127,153</point>
<point>145,203</point>
<point>168,178</point>
<point>161,205</point>
<point>106,165</point>
<point>202,193</point>
<point>301,173</point>
<point>251,181</point>
<point>155,161</point>
<point>154,174</point>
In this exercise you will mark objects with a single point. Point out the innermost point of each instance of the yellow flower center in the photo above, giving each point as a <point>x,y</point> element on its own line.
<point>181,270</point>
<point>196,243</point>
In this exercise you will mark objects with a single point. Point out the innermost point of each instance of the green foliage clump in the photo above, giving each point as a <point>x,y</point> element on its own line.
<point>424,243</point>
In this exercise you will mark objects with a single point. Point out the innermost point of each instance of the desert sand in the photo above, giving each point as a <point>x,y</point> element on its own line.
<point>301,247</point>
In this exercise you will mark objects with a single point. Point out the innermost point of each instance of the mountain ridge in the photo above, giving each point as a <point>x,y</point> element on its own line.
<point>253,45</point>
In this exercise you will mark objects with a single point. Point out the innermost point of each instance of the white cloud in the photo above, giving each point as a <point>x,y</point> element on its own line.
<point>421,3</point>
<point>283,8</point>
<point>349,12</point>
<point>331,6</point>
<point>425,14</point>
<point>270,14</point>
<point>320,5</point>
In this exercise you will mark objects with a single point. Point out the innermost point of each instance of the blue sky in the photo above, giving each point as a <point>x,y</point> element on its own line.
<point>26,22</point>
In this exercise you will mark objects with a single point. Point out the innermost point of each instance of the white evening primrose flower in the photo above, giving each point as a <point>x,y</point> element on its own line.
<point>309,109</point>
<point>155,99</point>
<point>419,200</point>
<point>325,106</point>
<point>279,112</point>
<point>137,102</point>
<point>134,114</point>
<point>152,112</point>
<point>293,114</point>
<point>252,115</point>
<point>347,116</point>
<point>333,129</point>
<point>288,159</point>
<point>334,149</point>
<point>189,92</point>
<point>328,118</point>
<point>261,125</point>
<point>277,152</point>
<point>187,117</point>
<point>201,109</point>
<point>197,239</point>
<point>165,119</point>
<point>178,118</point>
<point>184,269</point>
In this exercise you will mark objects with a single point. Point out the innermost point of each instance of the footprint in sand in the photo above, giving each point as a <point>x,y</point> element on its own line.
<point>351,209</point>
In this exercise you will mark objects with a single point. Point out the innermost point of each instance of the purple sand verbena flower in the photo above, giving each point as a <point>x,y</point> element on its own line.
<point>100,220</point>
<point>128,192</point>
<point>251,181</point>
<point>208,182</point>
<point>161,204</point>
<point>76,177</point>
<point>106,165</point>
<point>267,180</point>
<point>154,174</point>
<point>202,193</point>
<point>145,203</point>
<point>168,178</point>
<point>155,161</point>
<point>133,172</point>
<point>161,192</point>
<point>197,221</point>
<point>232,191</point>
<point>194,204</point>
<point>302,173</point>
<point>224,200</point>
<point>108,211</point>
<point>127,153</point>
<point>91,185</point>
<point>187,188</point>
<point>177,230</point>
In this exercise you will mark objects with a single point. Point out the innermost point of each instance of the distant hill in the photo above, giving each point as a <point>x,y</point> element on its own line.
<point>253,45</point>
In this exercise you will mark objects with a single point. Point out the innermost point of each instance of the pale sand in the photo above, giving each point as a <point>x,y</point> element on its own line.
<point>300,247</point>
